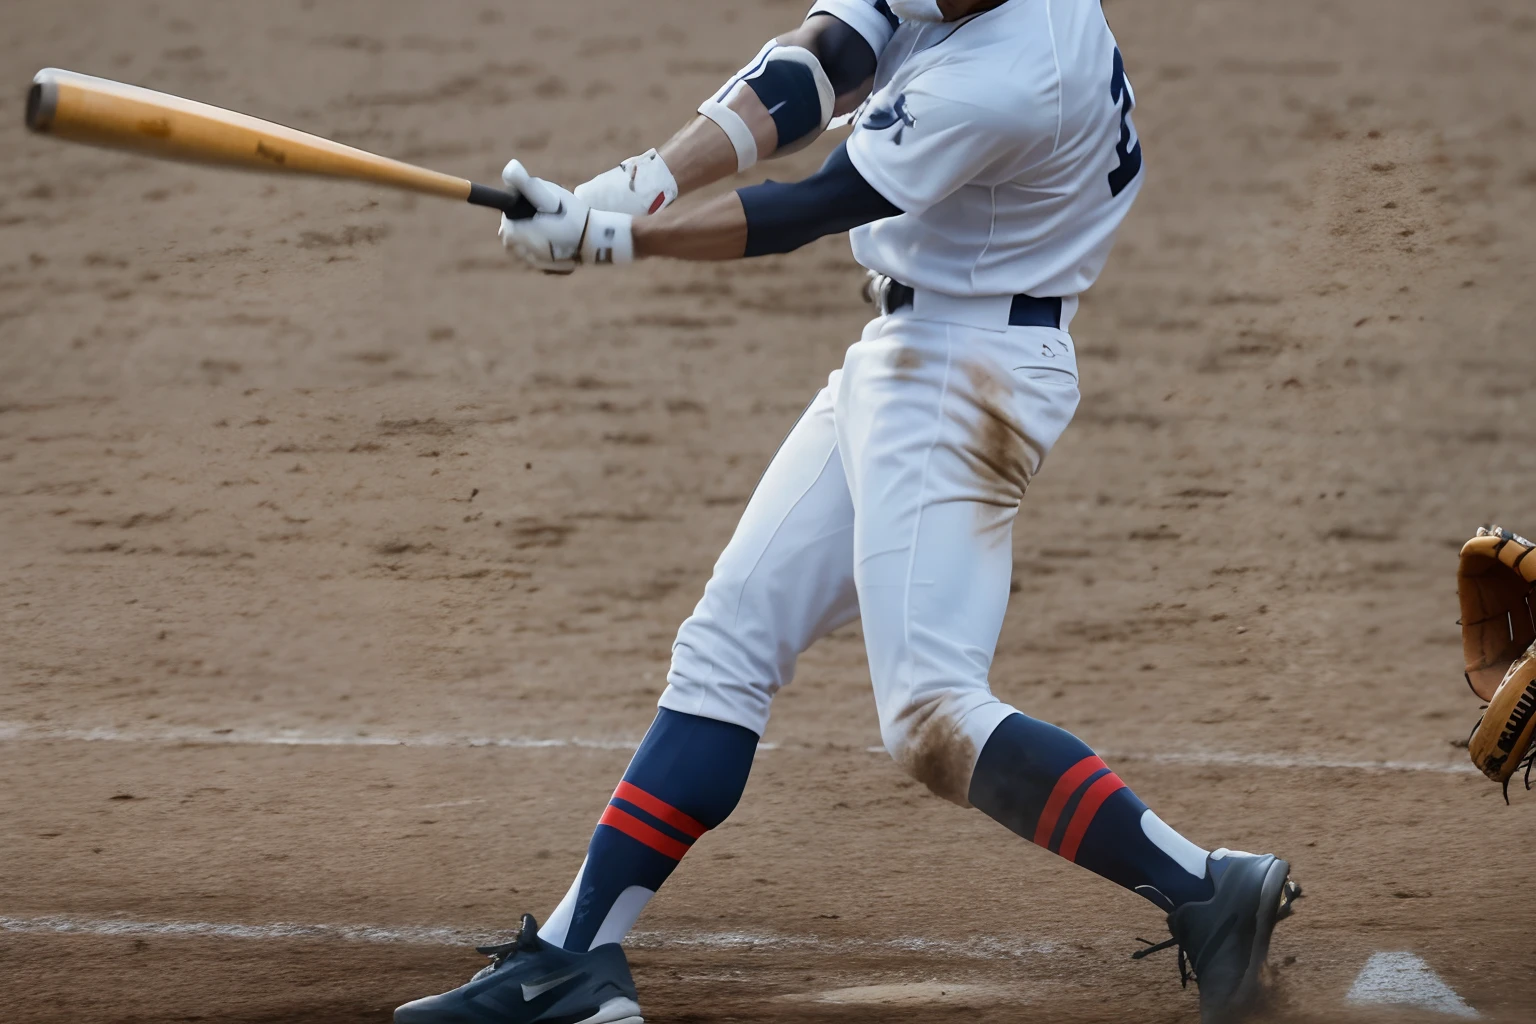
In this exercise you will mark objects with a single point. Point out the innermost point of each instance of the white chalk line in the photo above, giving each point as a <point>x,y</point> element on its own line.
<point>1386,978</point>
<point>19,732</point>
<point>977,948</point>
<point>1257,760</point>
<point>193,735</point>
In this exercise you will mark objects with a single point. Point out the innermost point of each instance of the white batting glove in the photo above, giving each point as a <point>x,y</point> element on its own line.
<point>639,186</point>
<point>566,231</point>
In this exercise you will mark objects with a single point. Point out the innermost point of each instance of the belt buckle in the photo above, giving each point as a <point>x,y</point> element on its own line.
<point>877,291</point>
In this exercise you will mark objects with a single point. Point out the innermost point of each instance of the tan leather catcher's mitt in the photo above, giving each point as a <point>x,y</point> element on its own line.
<point>1495,582</point>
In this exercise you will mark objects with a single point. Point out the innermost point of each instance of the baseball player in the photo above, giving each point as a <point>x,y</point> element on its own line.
<point>991,161</point>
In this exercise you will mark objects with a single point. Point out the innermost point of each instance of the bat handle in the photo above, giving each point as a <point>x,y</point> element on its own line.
<point>509,203</point>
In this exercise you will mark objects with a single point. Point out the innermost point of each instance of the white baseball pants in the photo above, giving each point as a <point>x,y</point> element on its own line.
<point>892,499</point>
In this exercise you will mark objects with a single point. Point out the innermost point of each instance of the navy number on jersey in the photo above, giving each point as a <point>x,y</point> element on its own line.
<point>1129,147</point>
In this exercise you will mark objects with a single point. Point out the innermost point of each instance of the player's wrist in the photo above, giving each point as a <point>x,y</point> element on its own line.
<point>639,186</point>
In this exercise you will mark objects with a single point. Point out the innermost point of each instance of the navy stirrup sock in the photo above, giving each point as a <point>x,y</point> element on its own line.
<point>1046,785</point>
<point>685,779</point>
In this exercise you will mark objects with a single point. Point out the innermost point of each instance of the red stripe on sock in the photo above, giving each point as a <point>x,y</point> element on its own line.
<point>1065,787</point>
<point>1103,788</point>
<point>660,808</point>
<point>639,831</point>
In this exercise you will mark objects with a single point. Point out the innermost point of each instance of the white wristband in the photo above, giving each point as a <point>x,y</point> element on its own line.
<point>609,238</point>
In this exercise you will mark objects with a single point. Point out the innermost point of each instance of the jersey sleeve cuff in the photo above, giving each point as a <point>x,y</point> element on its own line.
<point>881,182</point>
<point>863,17</point>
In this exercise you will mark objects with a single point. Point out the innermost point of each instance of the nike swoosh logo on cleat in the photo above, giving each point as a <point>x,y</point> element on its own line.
<point>538,998</point>
<point>538,988</point>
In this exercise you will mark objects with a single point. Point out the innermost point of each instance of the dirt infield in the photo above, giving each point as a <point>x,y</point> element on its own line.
<point>340,560</point>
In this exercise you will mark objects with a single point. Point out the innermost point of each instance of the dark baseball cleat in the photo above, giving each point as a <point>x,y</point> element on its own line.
<point>1224,942</point>
<point>531,981</point>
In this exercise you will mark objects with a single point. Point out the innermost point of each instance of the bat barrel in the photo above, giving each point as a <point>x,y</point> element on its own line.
<point>97,111</point>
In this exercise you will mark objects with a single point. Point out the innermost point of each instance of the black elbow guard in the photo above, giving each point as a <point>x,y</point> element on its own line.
<point>793,88</point>
<point>795,91</point>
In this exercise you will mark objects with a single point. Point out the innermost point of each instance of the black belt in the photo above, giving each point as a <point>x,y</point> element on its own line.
<point>1024,311</point>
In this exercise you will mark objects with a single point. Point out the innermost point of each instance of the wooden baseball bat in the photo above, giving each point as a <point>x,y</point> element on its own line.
<point>101,112</point>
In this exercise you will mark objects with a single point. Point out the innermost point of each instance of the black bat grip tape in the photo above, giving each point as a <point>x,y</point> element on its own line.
<point>511,204</point>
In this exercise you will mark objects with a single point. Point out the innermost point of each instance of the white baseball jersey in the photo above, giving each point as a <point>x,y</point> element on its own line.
<point>1007,140</point>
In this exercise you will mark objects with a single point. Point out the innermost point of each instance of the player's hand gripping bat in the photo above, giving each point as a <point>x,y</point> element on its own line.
<point>106,113</point>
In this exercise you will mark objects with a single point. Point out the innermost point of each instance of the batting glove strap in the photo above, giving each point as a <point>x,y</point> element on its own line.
<point>610,238</point>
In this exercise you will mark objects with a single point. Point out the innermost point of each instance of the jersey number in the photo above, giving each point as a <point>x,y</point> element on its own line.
<point>1129,154</point>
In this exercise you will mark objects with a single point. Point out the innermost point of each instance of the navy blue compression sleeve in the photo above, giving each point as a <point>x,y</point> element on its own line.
<point>783,216</point>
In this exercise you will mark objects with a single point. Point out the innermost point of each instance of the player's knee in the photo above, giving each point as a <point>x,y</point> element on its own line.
<point>722,673</point>
<point>735,647</point>
<point>924,736</point>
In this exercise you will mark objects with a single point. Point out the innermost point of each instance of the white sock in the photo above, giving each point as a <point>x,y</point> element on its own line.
<point>626,910</point>
<point>1180,850</point>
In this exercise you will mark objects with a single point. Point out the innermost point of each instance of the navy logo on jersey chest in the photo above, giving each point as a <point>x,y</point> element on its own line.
<point>895,115</point>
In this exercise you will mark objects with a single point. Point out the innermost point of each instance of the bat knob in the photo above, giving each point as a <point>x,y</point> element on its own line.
<point>509,203</point>
<point>42,100</point>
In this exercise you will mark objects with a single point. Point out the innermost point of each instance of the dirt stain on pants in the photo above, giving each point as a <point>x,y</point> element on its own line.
<point>933,750</point>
